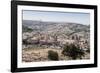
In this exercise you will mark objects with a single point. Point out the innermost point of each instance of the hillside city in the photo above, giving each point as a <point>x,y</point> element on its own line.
<point>39,37</point>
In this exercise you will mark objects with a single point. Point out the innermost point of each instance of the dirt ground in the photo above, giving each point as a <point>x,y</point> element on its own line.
<point>36,55</point>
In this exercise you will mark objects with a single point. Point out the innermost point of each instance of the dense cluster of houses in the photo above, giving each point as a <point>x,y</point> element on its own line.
<point>54,40</point>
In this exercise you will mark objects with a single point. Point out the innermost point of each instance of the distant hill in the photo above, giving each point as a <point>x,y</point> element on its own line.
<point>59,28</point>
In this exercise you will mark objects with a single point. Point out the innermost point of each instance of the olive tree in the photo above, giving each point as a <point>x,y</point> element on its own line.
<point>73,51</point>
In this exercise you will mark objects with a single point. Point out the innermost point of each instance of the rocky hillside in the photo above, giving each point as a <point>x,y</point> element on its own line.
<point>59,28</point>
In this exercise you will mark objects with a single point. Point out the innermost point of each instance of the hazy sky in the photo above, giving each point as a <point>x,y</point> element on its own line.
<point>83,18</point>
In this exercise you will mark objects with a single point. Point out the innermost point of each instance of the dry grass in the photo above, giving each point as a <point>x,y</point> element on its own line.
<point>37,55</point>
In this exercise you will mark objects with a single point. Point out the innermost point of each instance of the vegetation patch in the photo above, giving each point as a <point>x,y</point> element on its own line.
<point>73,51</point>
<point>52,55</point>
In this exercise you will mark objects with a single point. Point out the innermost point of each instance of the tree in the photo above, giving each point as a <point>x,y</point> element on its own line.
<point>73,51</point>
<point>52,55</point>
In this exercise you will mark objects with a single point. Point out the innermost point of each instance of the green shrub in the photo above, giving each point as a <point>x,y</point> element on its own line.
<point>73,51</point>
<point>52,55</point>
